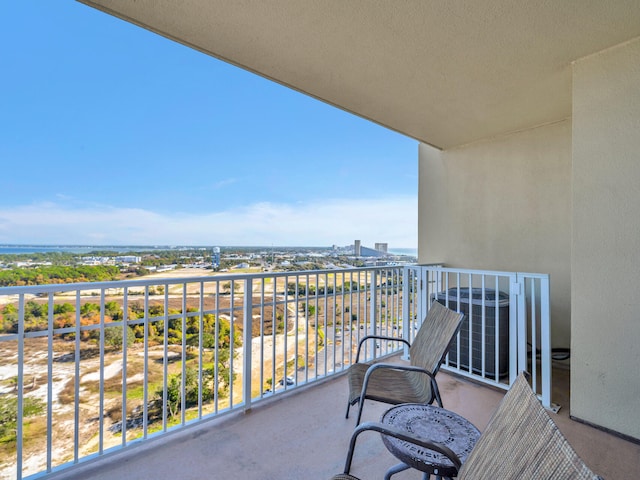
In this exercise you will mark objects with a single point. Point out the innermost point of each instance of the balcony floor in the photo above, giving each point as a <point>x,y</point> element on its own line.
<point>304,434</point>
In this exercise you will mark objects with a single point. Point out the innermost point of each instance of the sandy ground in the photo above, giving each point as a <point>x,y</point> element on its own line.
<point>35,460</point>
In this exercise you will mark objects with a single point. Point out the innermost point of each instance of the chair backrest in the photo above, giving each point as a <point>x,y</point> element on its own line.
<point>521,441</point>
<point>431,343</point>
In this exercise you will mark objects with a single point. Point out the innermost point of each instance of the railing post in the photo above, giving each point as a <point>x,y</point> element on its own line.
<point>545,333</point>
<point>424,296</point>
<point>20,386</point>
<point>426,274</point>
<point>517,329</point>
<point>407,294</point>
<point>373,311</point>
<point>247,340</point>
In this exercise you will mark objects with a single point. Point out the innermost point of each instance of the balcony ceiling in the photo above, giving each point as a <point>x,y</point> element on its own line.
<point>443,72</point>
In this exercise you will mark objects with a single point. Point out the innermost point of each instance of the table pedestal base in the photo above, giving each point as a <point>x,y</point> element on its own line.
<point>401,467</point>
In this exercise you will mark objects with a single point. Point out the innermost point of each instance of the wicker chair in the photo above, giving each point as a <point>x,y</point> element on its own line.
<point>521,441</point>
<point>414,383</point>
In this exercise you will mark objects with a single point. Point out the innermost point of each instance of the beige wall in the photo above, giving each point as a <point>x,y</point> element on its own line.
<point>562,199</point>
<point>605,383</point>
<point>503,204</point>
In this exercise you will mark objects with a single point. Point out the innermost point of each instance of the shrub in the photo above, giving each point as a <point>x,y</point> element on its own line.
<point>9,415</point>
<point>113,336</point>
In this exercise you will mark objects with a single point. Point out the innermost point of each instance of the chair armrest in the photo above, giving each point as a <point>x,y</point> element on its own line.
<point>409,368</point>
<point>394,432</point>
<point>378,337</point>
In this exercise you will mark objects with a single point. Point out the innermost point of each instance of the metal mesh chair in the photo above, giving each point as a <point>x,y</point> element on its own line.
<point>414,383</point>
<point>392,431</point>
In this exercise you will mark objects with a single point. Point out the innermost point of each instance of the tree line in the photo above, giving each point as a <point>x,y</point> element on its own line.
<point>36,318</point>
<point>58,274</point>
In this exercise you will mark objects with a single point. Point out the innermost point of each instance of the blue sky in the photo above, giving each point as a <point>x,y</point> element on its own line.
<point>110,134</point>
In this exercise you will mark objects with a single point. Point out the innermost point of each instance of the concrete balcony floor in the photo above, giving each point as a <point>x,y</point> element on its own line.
<point>304,435</point>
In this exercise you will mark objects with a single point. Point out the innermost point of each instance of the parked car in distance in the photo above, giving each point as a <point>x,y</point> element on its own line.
<point>290,381</point>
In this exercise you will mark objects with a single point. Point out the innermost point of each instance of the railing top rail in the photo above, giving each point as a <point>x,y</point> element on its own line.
<point>142,282</point>
<point>440,268</point>
<point>534,275</point>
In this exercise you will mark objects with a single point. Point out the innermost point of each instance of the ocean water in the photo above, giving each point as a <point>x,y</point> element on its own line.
<point>412,252</point>
<point>80,249</point>
<point>18,249</point>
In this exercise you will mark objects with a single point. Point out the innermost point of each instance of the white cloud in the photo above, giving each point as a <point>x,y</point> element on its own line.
<point>224,183</point>
<point>333,221</point>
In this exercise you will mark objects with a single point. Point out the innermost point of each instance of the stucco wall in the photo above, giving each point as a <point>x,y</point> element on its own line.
<point>605,384</point>
<point>503,204</point>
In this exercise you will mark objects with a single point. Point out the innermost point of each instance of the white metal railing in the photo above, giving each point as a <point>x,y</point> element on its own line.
<point>90,368</point>
<point>507,328</point>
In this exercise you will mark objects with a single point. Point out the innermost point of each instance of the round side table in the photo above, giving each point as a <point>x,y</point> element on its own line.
<point>430,423</point>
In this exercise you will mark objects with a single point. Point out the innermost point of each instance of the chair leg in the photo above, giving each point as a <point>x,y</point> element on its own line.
<point>352,447</point>
<point>348,407</point>
<point>360,408</point>
<point>436,393</point>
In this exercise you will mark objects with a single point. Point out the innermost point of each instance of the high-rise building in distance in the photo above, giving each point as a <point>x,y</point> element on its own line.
<point>356,248</point>
<point>215,257</point>
<point>381,247</point>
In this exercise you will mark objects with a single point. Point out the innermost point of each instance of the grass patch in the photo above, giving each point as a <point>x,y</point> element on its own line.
<point>136,391</point>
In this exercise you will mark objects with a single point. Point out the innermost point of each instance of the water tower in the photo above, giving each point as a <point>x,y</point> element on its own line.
<point>215,257</point>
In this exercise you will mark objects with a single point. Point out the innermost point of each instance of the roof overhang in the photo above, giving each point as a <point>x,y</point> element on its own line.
<point>444,73</point>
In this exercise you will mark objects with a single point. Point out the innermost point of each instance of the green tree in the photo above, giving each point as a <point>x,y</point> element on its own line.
<point>9,322</point>
<point>310,309</point>
<point>89,308</point>
<point>350,286</point>
<point>61,308</point>
<point>291,288</point>
<point>113,336</point>
<point>34,309</point>
<point>174,391</point>
<point>114,310</point>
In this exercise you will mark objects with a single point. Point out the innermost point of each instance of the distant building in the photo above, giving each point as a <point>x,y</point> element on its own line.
<point>215,257</point>
<point>360,251</point>
<point>166,268</point>
<point>381,247</point>
<point>128,259</point>
<point>96,260</point>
